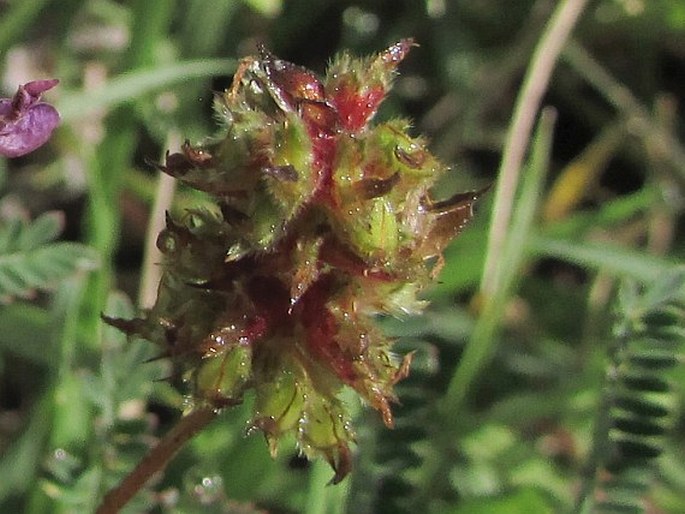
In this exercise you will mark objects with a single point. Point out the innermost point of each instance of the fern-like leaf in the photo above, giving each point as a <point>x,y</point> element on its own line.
<point>30,260</point>
<point>648,338</point>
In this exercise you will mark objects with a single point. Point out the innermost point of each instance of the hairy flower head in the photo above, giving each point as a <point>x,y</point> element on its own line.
<point>322,222</point>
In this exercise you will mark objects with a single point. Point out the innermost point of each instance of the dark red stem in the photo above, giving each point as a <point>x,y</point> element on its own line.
<point>156,460</point>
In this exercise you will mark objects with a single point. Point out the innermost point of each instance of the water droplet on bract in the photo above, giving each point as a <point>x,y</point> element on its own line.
<point>188,402</point>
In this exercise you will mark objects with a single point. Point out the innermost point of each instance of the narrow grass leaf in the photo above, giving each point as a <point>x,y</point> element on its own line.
<point>482,342</point>
<point>608,257</point>
<point>129,86</point>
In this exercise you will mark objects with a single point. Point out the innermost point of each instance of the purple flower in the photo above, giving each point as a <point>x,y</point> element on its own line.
<point>26,123</point>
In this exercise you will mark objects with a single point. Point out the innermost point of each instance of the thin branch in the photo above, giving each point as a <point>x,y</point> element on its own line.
<point>544,58</point>
<point>156,460</point>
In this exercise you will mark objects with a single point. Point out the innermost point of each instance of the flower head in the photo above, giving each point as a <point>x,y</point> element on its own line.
<point>322,221</point>
<point>26,123</point>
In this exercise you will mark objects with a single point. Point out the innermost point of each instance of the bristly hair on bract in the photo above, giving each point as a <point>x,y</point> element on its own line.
<point>322,221</point>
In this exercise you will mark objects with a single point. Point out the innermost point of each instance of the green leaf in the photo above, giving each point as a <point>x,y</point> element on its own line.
<point>21,461</point>
<point>28,260</point>
<point>72,422</point>
<point>604,256</point>
<point>129,86</point>
<point>522,502</point>
<point>464,259</point>
<point>670,287</point>
<point>610,214</point>
<point>17,234</point>
<point>482,343</point>
<point>9,233</point>
<point>32,344</point>
<point>25,267</point>
<point>269,8</point>
<point>42,230</point>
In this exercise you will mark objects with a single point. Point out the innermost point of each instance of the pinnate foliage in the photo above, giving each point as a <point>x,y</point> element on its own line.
<point>638,406</point>
<point>31,259</point>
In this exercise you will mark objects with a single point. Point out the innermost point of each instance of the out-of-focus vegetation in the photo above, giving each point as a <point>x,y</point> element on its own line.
<point>566,397</point>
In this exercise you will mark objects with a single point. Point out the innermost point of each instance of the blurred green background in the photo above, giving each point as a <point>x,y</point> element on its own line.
<point>79,405</point>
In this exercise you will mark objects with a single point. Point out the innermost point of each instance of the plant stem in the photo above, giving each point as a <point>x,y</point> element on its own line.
<point>156,460</point>
<point>152,271</point>
<point>602,425</point>
<point>544,58</point>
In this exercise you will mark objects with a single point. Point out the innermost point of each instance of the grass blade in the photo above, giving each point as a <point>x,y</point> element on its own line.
<point>482,342</point>
<point>126,87</point>
<point>608,257</point>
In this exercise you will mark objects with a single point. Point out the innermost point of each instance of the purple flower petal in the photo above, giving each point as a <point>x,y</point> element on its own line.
<point>29,131</point>
<point>38,87</point>
<point>26,123</point>
<point>5,110</point>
